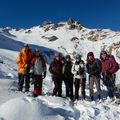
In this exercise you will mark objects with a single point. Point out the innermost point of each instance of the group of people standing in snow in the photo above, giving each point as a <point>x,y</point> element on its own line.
<point>73,74</point>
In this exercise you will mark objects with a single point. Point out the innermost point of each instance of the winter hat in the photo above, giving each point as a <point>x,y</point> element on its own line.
<point>67,56</point>
<point>57,55</point>
<point>26,45</point>
<point>37,50</point>
<point>78,56</point>
<point>103,52</point>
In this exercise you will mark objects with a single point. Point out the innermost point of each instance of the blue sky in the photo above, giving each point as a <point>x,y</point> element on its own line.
<point>91,13</point>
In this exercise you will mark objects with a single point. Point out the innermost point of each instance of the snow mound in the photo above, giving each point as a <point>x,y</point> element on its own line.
<point>55,108</point>
<point>27,109</point>
<point>97,111</point>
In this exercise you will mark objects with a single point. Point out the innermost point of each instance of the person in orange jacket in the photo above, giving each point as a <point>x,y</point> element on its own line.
<point>39,72</point>
<point>24,62</point>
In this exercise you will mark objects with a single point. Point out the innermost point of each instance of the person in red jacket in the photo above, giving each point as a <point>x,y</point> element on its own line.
<point>39,72</point>
<point>108,69</point>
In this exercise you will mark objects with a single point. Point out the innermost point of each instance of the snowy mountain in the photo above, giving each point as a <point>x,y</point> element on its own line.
<point>68,38</point>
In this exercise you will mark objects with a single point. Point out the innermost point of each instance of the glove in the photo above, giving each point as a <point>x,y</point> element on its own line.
<point>26,65</point>
<point>31,70</point>
<point>81,71</point>
<point>32,81</point>
<point>77,73</point>
<point>106,73</point>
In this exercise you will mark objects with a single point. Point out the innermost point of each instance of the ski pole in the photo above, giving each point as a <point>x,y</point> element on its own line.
<point>15,82</point>
<point>101,83</point>
<point>115,90</point>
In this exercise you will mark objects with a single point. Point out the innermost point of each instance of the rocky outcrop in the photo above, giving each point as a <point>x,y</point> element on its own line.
<point>46,23</point>
<point>50,38</point>
<point>53,38</point>
<point>73,24</point>
<point>94,35</point>
<point>70,21</point>
<point>118,54</point>
<point>6,32</point>
<point>28,31</point>
<point>74,39</point>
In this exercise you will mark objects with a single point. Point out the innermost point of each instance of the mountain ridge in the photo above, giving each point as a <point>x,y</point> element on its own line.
<point>59,36</point>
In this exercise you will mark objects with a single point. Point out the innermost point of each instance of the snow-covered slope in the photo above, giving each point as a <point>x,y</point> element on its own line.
<point>50,38</point>
<point>63,38</point>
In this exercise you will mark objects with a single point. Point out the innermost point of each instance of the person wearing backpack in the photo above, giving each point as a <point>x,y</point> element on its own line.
<point>93,66</point>
<point>55,69</point>
<point>108,70</point>
<point>24,62</point>
<point>39,72</point>
<point>68,76</point>
<point>116,66</point>
<point>78,70</point>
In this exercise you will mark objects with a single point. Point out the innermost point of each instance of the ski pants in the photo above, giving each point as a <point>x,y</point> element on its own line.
<point>57,91</point>
<point>69,86</point>
<point>77,84</point>
<point>23,78</point>
<point>93,79</point>
<point>109,81</point>
<point>115,89</point>
<point>37,85</point>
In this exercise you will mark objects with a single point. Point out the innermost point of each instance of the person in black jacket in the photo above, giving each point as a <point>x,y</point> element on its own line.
<point>68,76</point>
<point>94,70</point>
<point>56,70</point>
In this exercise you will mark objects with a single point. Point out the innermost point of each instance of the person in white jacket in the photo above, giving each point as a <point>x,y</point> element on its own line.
<point>78,69</point>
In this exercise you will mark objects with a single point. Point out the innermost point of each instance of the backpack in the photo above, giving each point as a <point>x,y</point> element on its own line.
<point>117,67</point>
<point>99,64</point>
